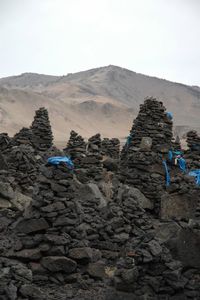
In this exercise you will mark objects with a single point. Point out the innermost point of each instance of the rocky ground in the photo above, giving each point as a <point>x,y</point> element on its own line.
<point>110,229</point>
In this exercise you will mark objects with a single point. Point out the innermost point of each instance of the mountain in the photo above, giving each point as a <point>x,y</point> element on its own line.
<point>102,100</point>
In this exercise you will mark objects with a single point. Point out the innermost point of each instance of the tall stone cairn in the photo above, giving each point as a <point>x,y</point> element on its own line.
<point>193,153</point>
<point>90,166</point>
<point>23,165</point>
<point>41,129</point>
<point>76,148</point>
<point>24,136</point>
<point>142,166</point>
<point>111,147</point>
<point>152,121</point>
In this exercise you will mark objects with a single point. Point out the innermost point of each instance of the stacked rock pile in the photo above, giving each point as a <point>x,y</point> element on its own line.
<point>5,142</point>
<point>152,121</point>
<point>76,148</point>
<point>41,130</point>
<point>144,170</point>
<point>91,167</point>
<point>24,136</point>
<point>193,141</point>
<point>193,152</point>
<point>142,164</point>
<point>53,239</point>
<point>23,166</point>
<point>111,147</point>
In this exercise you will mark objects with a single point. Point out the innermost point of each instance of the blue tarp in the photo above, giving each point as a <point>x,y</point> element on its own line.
<point>196,174</point>
<point>56,160</point>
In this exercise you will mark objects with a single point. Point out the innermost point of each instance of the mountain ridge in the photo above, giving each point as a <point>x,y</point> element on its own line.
<point>114,94</point>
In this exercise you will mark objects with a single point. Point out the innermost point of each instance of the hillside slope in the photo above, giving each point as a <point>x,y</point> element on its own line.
<point>99,100</point>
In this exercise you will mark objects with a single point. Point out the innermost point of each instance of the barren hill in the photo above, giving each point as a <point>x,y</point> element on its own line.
<point>104,99</point>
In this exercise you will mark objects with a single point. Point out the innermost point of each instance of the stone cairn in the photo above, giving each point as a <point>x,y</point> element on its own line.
<point>24,136</point>
<point>23,166</point>
<point>143,168</point>
<point>141,164</point>
<point>110,147</point>
<point>152,121</point>
<point>41,129</point>
<point>76,148</point>
<point>5,142</point>
<point>91,164</point>
<point>193,152</point>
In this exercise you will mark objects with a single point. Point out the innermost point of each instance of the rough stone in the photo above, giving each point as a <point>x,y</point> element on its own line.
<point>59,263</point>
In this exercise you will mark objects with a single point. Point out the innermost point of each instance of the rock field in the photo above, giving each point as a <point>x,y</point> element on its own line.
<point>110,229</point>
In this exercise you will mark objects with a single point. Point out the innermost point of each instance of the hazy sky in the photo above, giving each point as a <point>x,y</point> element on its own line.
<point>153,37</point>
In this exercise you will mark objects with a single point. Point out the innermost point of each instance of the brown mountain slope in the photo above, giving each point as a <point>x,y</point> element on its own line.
<point>104,99</point>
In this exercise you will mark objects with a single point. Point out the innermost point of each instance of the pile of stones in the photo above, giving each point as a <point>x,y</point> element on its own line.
<point>5,142</point>
<point>152,121</point>
<point>42,138</point>
<point>24,136</point>
<point>90,165</point>
<point>23,166</point>
<point>111,147</point>
<point>142,164</point>
<point>193,141</point>
<point>76,148</point>
<point>193,152</point>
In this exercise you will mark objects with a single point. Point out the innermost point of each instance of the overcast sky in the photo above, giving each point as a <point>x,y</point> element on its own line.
<point>154,37</point>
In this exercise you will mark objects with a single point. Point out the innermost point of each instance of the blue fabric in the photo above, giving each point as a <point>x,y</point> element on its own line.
<point>170,155</point>
<point>196,174</point>
<point>169,115</point>
<point>176,153</point>
<point>182,164</point>
<point>56,160</point>
<point>167,175</point>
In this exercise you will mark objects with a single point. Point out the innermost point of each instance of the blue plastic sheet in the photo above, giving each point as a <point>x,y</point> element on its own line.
<point>196,174</point>
<point>56,160</point>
